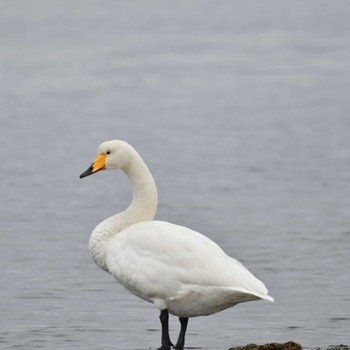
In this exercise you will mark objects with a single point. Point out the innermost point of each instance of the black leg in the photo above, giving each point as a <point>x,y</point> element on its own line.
<point>181,340</point>
<point>164,319</point>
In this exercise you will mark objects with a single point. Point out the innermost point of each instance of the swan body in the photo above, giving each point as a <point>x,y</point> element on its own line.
<point>179,270</point>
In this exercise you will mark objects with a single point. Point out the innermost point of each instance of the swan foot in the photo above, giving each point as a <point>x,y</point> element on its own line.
<point>164,319</point>
<point>180,344</point>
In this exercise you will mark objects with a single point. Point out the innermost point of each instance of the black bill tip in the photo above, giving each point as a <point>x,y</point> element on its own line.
<point>87,172</point>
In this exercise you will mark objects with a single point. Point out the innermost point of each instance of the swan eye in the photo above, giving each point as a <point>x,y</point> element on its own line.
<point>108,152</point>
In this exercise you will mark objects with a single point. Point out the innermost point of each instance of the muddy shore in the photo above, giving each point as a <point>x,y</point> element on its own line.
<point>287,346</point>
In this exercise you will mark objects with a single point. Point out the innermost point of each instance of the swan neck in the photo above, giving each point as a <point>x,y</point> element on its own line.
<point>143,207</point>
<point>145,197</point>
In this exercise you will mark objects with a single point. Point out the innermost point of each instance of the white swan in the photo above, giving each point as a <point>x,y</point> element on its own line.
<point>179,270</point>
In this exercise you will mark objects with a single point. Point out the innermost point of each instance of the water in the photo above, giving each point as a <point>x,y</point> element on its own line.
<point>240,109</point>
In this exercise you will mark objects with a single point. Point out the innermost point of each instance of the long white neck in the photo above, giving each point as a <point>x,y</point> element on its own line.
<point>145,198</point>
<point>142,208</point>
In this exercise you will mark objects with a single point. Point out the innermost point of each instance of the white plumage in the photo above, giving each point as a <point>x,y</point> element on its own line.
<point>177,269</point>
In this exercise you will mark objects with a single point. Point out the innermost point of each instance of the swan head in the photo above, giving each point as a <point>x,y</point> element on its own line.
<point>111,155</point>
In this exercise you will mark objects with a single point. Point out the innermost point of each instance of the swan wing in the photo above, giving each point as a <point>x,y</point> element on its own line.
<point>176,267</point>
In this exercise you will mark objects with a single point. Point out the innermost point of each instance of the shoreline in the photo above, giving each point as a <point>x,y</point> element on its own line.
<point>290,345</point>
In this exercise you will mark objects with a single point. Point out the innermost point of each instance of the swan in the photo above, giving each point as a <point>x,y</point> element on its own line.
<point>180,271</point>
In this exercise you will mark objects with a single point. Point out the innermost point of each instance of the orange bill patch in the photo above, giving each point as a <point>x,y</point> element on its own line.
<point>99,163</point>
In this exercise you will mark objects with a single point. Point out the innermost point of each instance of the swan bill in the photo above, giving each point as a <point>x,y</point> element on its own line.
<point>97,165</point>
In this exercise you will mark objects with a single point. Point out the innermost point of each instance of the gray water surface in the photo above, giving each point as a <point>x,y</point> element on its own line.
<point>241,110</point>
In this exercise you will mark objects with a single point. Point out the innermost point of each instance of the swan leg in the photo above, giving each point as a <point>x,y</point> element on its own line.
<point>164,319</point>
<point>180,344</point>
